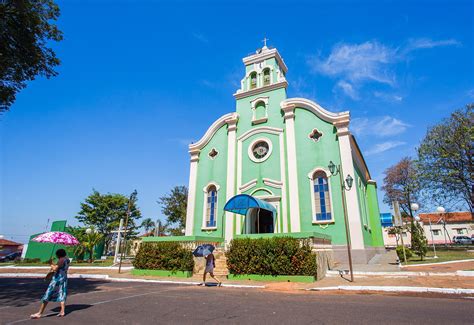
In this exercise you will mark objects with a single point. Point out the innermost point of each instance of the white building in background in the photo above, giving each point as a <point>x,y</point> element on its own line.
<point>447,225</point>
<point>443,225</point>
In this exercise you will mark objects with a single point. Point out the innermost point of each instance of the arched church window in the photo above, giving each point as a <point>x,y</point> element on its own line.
<point>266,77</point>
<point>260,111</point>
<point>253,80</point>
<point>211,209</point>
<point>322,201</point>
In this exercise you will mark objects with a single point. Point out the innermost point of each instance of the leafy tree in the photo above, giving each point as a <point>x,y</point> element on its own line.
<point>26,29</point>
<point>401,184</point>
<point>104,211</point>
<point>174,208</point>
<point>148,224</point>
<point>419,244</point>
<point>446,159</point>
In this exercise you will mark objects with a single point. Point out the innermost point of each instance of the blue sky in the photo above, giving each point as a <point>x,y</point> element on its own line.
<point>139,80</point>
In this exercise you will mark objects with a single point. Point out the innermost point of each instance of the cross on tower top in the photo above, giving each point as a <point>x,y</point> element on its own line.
<point>265,42</point>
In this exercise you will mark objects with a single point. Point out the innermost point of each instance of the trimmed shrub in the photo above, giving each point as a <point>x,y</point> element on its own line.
<point>170,256</point>
<point>408,253</point>
<point>271,256</point>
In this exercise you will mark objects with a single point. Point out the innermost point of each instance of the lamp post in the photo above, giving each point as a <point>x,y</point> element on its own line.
<point>441,210</point>
<point>131,200</point>
<point>335,170</point>
<point>415,207</point>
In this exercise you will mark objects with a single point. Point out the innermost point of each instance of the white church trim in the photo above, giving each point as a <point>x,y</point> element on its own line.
<point>247,186</point>
<point>292,169</point>
<point>230,189</point>
<point>315,109</point>
<point>212,130</point>
<point>191,194</point>
<point>352,203</point>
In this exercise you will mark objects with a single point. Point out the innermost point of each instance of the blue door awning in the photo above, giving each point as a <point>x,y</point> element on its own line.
<point>241,203</point>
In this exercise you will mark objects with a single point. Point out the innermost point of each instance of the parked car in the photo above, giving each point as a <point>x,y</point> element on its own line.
<point>463,240</point>
<point>10,257</point>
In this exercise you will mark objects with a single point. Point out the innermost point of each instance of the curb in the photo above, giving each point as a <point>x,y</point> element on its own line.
<point>333,273</point>
<point>438,263</point>
<point>397,289</point>
<point>112,279</point>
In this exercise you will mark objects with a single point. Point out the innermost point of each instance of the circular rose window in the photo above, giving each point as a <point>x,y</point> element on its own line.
<point>260,150</point>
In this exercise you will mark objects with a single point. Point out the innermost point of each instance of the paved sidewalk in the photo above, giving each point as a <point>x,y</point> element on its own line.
<point>399,279</point>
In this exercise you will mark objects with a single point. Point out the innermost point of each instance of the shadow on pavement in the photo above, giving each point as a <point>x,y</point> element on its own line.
<point>71,308</point>
<point>17,292</point>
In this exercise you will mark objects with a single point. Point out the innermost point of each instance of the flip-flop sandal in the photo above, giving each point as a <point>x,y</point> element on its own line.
<point>35,316</point>
<point>60,315</point>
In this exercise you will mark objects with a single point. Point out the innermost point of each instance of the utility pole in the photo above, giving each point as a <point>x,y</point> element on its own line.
<point>131,200</point>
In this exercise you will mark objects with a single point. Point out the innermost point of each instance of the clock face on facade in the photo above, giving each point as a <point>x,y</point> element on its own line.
<point>260,149</point>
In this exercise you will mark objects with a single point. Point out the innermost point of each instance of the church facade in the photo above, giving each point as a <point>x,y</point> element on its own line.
<point>274,151</point>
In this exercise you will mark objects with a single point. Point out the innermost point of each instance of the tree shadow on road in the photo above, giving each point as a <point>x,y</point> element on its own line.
<point>17,292</point>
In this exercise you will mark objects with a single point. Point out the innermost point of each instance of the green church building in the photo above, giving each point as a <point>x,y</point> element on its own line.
<point>263,170</point>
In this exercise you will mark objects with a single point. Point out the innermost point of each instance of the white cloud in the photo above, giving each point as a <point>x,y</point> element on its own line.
<point>348,89</point>
<point>382,147</point>
<point>200,37</point>
<point>182,141</point>
<point>470,93</point>
<point>428,43</point>
<point>356,64</point>
<point>388,97</point>
<point>384,126</point>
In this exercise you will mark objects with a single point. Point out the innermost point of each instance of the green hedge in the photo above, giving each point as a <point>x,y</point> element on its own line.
<point>271,256</point>
<point>168,256</point>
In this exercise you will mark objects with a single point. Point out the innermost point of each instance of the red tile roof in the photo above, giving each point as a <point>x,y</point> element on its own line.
<point>6,242</point>
<point>449,217</point>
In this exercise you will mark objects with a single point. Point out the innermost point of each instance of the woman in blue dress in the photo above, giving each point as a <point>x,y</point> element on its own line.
<point>57,289</point>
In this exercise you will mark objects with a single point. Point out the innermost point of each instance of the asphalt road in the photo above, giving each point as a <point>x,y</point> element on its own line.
<point>101,302</point>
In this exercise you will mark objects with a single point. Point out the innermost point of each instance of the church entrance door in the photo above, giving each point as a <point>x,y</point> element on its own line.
<point>260,222</point>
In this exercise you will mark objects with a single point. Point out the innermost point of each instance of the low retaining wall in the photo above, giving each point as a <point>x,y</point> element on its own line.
<point>176,274</point>
<point>278,278</point>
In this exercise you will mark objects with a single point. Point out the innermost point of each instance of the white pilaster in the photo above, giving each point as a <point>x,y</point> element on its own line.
<point>230,190</point>
<point>191,192</point>
<point>292,168</point>
<point>355,226</point>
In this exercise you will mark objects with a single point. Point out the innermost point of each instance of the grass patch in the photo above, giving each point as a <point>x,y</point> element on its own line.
<point>443,256</point>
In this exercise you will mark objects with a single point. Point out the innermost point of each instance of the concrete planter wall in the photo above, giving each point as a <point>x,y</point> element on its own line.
<point>164,273</point>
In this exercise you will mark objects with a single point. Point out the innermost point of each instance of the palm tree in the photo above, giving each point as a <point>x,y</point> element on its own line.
<point>160,228</point>
<point>88,239</point>
<point>148,224</point>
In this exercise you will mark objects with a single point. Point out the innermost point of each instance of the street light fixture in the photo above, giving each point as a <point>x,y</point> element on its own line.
<point>345,186</point>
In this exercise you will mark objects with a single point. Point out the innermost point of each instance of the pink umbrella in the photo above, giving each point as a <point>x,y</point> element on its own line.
<point>57,238</point>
